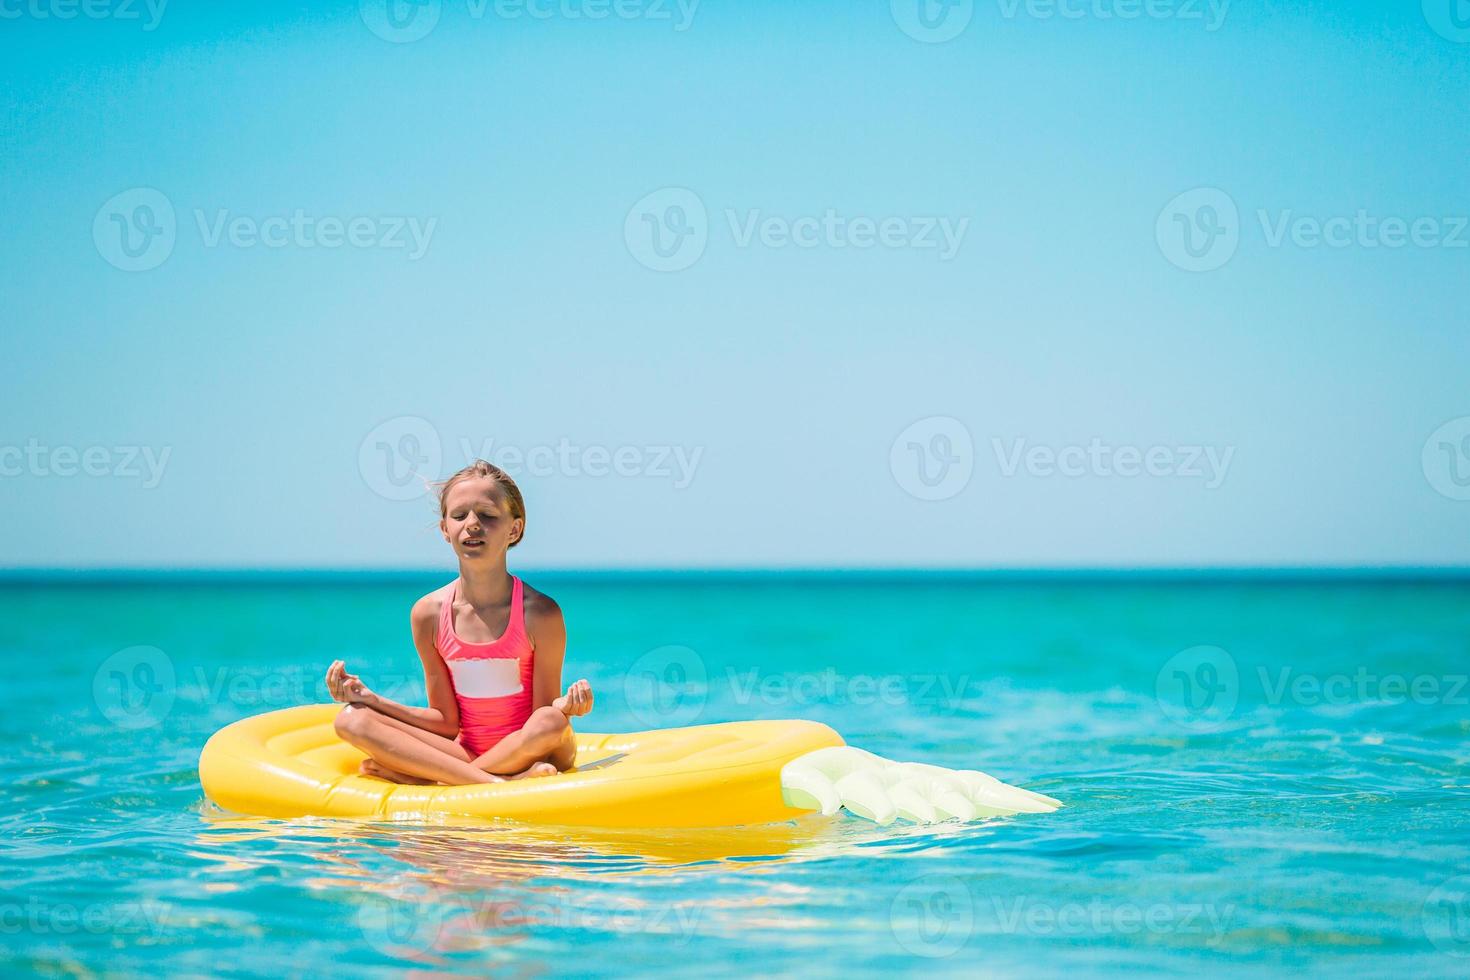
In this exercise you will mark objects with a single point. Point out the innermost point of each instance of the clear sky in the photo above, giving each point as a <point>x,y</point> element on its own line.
<point>743,284</point>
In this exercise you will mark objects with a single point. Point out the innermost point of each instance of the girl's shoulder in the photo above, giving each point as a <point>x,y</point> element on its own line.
<point>536,602</point>
<point>426,609</point>
<point>541,610</point>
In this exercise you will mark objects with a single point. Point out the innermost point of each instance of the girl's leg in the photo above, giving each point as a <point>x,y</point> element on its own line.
<point>546,737</point>
<point>446,745</point>
<point>371,767</point>
<point>408,752</point>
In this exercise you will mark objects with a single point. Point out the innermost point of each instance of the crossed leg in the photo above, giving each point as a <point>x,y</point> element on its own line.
<point>399,752</point>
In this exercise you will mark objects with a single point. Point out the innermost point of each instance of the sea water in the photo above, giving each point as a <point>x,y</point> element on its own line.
<point>1261,774</point>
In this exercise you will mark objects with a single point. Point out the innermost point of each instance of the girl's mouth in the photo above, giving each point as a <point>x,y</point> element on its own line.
<point>473,542</point>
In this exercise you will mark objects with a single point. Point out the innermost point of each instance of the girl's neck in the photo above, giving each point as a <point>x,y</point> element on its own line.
<point>485,585</point>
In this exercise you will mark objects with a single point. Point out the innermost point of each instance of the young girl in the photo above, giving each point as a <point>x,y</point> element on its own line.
<point>492,652</point>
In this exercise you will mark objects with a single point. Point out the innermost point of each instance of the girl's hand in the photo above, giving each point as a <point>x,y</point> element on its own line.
<point>345,687</point>
<point>577,701</point>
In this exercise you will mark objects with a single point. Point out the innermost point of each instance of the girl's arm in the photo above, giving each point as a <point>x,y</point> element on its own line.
<point>549,639</point>
<point>442,715</point>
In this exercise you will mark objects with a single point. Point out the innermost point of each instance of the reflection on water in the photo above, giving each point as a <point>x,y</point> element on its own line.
<point>425,891</point>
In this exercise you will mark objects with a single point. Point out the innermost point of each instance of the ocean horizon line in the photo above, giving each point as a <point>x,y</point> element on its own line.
<point>132,575</point>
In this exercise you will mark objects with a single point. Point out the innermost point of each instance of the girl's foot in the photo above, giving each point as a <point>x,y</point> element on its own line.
<point>539,769</point>
<point>377,769</point>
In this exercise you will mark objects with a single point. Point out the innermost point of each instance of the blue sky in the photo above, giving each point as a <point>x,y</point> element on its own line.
<point>812,373</point>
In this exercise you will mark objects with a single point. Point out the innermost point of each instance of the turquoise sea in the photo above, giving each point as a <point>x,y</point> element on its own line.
<point>1263,774</point>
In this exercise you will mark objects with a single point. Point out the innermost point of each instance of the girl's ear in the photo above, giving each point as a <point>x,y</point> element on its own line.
<point>518,530</point>
<point>444,528</point>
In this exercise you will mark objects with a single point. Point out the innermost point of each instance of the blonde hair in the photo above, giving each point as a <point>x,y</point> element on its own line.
<point>478,469</point>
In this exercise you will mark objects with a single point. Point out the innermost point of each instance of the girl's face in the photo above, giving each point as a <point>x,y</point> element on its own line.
<point>476,522</point>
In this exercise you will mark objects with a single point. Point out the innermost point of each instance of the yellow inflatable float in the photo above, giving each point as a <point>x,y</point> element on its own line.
<point>290,763</point>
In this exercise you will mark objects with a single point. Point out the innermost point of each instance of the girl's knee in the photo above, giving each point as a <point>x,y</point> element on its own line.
<point>353,721</point>
<point>548,722</point>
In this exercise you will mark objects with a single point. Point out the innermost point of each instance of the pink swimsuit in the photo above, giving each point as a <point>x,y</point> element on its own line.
<point>492,681</point>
